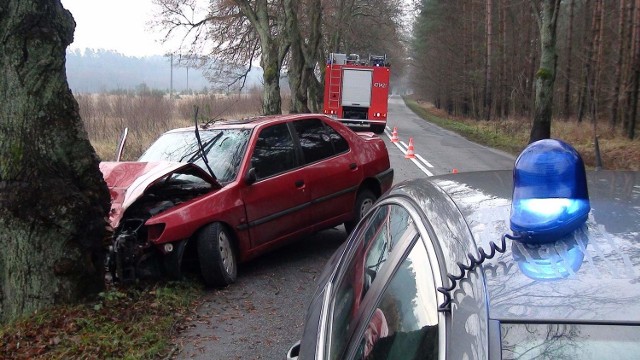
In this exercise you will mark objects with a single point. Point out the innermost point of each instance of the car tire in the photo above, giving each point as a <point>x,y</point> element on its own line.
<point>217,257</point>
<point>364,202</point>
<point>378,129</point>
<point>172,262</point>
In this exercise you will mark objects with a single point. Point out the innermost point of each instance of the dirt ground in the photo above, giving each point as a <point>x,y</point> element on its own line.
<point>262,314</point>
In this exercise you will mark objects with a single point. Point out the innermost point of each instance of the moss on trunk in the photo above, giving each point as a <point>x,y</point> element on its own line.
<point>53,200</point>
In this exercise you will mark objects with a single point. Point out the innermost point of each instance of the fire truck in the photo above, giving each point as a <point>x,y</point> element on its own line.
<point>356,91</point>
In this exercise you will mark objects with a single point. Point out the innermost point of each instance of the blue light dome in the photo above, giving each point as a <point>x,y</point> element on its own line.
<point>550,197</point>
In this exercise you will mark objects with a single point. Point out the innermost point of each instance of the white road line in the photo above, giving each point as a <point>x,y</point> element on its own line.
<point>424,170</point>
<point>424,161</point>
<point>415,161</point>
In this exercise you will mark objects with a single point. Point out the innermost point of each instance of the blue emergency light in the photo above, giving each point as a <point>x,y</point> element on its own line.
<point>550,197</point>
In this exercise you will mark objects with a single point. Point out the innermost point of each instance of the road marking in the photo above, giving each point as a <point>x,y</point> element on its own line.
<point>403,149</point>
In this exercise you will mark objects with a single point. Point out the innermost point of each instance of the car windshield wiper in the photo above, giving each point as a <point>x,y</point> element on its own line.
<point>203,153</point>
<point>202,150</point>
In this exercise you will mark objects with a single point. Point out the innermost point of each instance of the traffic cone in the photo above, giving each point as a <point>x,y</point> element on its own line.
<point>410,154</point>
<point>394,135</point>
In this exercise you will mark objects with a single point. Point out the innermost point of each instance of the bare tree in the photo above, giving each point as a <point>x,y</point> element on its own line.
<point>635,79</point>
<point>487,72</point>
<point>53,201</point>
<point>567,81</point>
<point>234,33</point>
<point>547,12</point>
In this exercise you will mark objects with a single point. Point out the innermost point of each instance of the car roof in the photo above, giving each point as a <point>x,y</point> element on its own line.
<point>248,122</point>
<point>591,275</point>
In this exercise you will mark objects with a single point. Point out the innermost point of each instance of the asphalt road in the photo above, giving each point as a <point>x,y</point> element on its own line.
<point>261,315</point>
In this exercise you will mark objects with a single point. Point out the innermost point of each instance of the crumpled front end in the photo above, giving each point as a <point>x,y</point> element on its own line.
<point>139,191</point>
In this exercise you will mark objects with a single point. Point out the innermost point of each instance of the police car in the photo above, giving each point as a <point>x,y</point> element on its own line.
<point>542,262</point>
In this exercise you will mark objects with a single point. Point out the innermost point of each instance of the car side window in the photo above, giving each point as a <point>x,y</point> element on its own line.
<point>317,140</point>
<point>380,232</point>
<point>274,152</point>
<point>404,322</point>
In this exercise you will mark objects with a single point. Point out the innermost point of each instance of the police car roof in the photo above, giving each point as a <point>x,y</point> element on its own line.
<point>591,275</point>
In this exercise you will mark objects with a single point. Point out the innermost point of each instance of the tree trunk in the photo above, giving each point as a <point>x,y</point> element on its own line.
<point>545,78</point>
<point>296,73</point>
<point>313,56</point>
<point>53,200</point>
<point>597,61</point>
<point>487,63</point>
<point>631,124</point>
<point>615,97</point>
<point>567,82</point>
<point>273,48</point>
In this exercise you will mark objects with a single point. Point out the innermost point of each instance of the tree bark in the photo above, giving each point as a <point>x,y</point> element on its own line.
<point>545,78</point>
<point>53,200</point>
<point>615,97</point>
<point>487,70</point>
<point>297,83</point>
<point>273,45</point>
<point>633,112</point>
<point>567,82</point>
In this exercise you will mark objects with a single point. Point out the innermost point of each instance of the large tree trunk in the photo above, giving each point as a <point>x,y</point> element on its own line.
<point>273,45</point>
<point>545,78</point>
<point>297,83</point>
<point>53,200</point>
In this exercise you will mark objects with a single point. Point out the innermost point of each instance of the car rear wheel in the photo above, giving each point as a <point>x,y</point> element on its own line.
<point>364,202</point>
<point>216,255</point>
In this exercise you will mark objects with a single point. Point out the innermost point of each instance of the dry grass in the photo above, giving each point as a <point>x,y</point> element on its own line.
<point>147,116</point>
<point>512,135</point>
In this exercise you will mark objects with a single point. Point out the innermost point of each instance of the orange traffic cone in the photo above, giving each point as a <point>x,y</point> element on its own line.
<point>410,154</point>
<point>394,135</point>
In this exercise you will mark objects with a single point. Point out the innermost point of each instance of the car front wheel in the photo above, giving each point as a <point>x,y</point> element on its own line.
<point>216,255</point>
<point>364,202</point>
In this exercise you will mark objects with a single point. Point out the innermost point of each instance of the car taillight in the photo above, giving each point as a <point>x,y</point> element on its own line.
<point>154,231</point>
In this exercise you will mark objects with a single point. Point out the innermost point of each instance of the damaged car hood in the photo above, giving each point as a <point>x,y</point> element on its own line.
<point>128,181</point>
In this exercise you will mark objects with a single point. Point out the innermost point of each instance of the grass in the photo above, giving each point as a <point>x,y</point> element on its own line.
<point>617,152</point>
<point>121,324</point>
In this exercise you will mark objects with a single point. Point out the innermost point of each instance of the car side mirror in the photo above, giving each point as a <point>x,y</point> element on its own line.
<point>251,177</point>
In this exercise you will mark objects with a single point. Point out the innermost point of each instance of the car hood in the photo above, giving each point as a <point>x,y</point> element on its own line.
<point>127,181</point>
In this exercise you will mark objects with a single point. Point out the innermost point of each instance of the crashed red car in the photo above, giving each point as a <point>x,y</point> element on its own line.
<point>263,182</point>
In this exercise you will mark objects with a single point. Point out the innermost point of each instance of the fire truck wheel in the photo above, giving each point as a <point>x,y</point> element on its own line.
<point>217,257</point>
<point>378,129</point>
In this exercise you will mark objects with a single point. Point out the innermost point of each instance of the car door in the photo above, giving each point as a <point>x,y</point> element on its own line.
<point>384,302</point>
<point>277,202</point>
<point>333,176</point>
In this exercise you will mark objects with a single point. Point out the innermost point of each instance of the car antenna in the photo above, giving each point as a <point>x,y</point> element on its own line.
<point>473,262</point>
<point>203,155</point>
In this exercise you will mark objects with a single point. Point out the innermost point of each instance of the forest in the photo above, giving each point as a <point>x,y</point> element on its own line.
<point>480,59</point>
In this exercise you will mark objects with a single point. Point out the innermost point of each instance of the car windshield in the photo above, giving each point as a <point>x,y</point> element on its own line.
<point>570,341</point>
<point>225,149</point>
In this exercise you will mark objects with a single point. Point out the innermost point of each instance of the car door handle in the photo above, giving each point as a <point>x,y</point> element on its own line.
<point>353,166</point>
<point>299,183</point>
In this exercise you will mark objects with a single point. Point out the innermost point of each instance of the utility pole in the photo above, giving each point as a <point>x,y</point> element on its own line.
<point>171,81</point>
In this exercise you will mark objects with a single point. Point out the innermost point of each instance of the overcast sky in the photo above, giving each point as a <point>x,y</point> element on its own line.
<point>119,25</point>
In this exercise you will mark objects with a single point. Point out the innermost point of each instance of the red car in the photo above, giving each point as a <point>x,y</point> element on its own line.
<point>263,182</point>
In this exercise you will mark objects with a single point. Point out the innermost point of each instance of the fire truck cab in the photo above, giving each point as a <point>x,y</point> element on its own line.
<point>356,91</point>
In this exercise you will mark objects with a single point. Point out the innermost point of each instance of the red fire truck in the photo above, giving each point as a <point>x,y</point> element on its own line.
<point>356,91</point>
